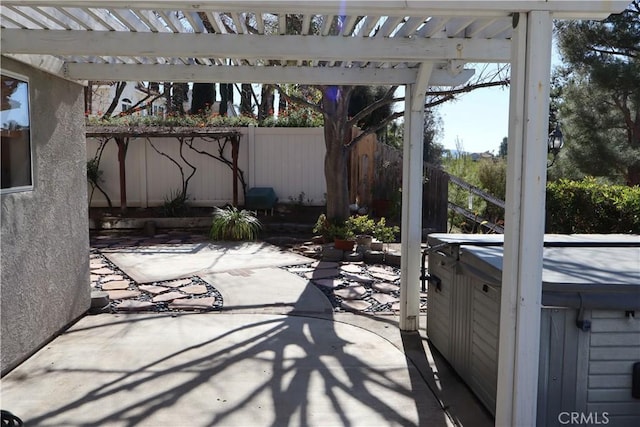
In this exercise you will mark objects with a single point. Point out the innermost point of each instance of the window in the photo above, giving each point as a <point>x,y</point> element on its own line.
<point>158,110</point>
<point>126,104</point>
<point>15,143</point>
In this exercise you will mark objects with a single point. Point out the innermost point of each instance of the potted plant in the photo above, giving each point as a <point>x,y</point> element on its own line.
<point>340,233</point>
<point>362,226</point>
<point>343,237</point>
<point>231,223</point>
<point>385,233</point>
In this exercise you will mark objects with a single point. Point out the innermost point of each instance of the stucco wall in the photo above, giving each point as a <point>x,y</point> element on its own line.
<point>44,283</point>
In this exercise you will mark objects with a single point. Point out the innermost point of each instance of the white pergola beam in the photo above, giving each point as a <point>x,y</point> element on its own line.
<point>283,47</point>
<point>421,85</point>
<point>249,74</point>
<point>521,293</point>
<point>563,9</point>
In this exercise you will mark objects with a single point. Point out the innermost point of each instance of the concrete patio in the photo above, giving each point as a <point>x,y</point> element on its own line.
<point>276,355</point>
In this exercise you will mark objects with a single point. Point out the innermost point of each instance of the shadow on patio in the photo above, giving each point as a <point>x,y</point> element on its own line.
<point>219,369</point>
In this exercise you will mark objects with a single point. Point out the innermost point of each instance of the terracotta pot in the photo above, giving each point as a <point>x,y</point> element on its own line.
<point>344,245</point>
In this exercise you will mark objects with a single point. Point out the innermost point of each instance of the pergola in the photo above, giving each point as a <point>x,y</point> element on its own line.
<point>416,43</point>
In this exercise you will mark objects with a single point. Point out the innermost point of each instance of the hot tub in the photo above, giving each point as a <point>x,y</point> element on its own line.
<point>590,321</point>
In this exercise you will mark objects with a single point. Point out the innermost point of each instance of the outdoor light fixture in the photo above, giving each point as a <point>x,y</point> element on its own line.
<point>555,142</point>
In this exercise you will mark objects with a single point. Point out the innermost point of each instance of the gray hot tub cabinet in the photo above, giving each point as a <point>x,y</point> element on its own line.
<point>590,324</point>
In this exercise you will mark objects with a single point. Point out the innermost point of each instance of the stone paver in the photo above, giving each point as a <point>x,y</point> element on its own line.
<point>387,277</point>
<point>177,283</point>
<point>193,304</point>
<point>195,289</point>
<point>186,294</point>
<point>378,269</point>
<point>351,268</point>
<point>153,289</point>
<point>355,305</point>
<point>111,277</point>
<point>329,283</point>
<point>395,306</point>
<point>351,292</point>
<point>169,296</point>
<point>116,285</point>
<point>133,305</point>
<point>322,274</point>
<point>357,278</point>
<point>319,265</point>
<point>123,294</point>
<point>384,298</point>
<point>386,287</point>
<point>103,270</point>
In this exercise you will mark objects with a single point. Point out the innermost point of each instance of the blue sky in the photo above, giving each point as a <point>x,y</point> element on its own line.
<point>479,119</point>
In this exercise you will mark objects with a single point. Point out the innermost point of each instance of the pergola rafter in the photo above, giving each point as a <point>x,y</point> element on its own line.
<point>417,43</point>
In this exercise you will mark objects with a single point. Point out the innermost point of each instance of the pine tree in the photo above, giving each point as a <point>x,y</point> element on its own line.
<point>600,94</point>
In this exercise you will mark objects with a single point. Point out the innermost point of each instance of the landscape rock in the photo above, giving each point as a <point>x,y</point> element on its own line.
<point>153,289</point>
<point>116,285</point>
<point>322,274</point>
<point>194,289</point>
<point>132,305</point>
<point>355,305</point>
<point>177,283</point>
<point>123,294</point>
<point>351,292</point>
<point>170,296</point>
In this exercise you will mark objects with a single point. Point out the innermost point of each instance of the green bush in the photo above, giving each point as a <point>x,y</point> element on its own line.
<point>492,178</point>
<point>590,207</point>
<point>361,224</point>
<point>231,223</point>
<point>176,204</point>
<point>354,225</point>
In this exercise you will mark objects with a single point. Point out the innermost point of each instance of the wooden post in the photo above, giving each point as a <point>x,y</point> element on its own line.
<point>519,348</point>
<point>411,237</point>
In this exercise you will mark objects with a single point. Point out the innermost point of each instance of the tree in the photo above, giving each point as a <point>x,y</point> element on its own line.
<point>338,124</point>
<point>502,151</point>
<point>433,150</point>
<point>600,94</point>
<point>203,95</point>
<point>226,97</point>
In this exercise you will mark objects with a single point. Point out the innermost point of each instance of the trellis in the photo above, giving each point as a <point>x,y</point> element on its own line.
<point>416,43</point>
<point>185,136</point>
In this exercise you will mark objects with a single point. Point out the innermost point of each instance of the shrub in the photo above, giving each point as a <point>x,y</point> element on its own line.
<point>385,233</point>
<point>361,224</point>
<point>590,207</point>
<point>175,204</point>
<point>332,229</point>
<point>492,177</point>
<point>231,223</point>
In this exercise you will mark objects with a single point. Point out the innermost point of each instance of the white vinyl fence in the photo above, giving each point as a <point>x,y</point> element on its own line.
<point>290,160</point>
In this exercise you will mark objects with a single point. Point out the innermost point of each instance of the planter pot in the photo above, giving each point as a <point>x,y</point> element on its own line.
<point>364,242</point>
<point>377,246</point>
<point>364,239</point>
<point>344,245</point>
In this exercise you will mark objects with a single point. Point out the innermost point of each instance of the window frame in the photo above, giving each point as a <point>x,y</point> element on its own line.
<point>30,187</point>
